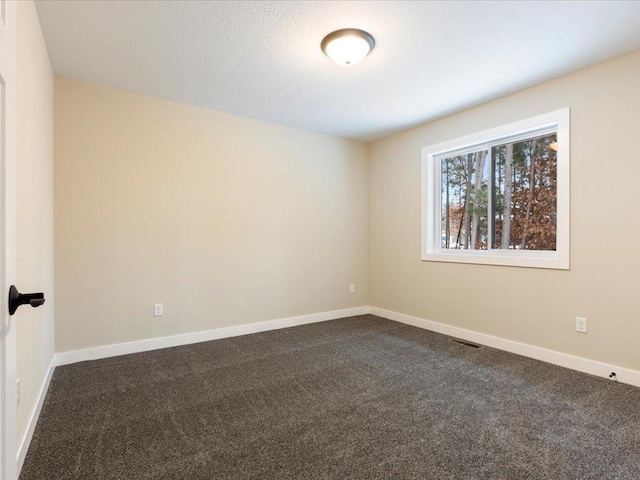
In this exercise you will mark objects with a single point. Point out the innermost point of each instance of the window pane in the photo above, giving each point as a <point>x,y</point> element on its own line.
<point>464,190</point>
<point>525,192</point>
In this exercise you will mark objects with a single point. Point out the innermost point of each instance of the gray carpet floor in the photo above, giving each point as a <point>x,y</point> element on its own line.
<point>357,398</point>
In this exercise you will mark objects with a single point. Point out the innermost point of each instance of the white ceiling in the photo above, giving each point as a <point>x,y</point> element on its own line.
<point>262,59</point>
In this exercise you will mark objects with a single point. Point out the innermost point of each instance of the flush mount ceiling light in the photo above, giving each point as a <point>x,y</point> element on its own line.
<point>348,46</point>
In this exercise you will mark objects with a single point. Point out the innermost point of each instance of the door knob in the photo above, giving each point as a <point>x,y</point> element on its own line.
<point>16,299</point>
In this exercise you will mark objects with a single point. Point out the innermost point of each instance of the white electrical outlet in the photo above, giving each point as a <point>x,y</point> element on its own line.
<point>158,310</point>
<point>581,325</point>
<point>18,391</point>
<point>352,288</point>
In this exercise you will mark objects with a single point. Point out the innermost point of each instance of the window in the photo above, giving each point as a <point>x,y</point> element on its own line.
<point>500,197</point>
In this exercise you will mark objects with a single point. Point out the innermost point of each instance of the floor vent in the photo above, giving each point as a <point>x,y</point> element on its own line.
<point>464,342</point>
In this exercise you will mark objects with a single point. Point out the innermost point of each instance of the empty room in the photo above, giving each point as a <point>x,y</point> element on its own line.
<point>319,240</point>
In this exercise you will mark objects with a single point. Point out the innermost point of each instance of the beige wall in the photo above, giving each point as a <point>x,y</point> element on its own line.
<point>228,220</point>
<point>532,306</point>
<point>223,219</point>
<point>34,259</point>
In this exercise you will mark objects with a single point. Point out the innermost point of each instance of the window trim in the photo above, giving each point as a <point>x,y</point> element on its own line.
<point>558,259</point>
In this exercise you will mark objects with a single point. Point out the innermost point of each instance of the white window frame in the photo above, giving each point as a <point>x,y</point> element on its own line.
<point>559,121</point>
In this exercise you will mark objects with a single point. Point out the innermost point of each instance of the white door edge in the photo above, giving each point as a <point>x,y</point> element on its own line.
<point>8,367</point>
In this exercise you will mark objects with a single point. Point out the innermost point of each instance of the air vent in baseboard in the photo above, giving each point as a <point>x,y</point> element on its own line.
<point>465,343</point>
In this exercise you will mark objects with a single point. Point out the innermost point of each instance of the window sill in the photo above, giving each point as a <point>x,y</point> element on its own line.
<point>529,259</point>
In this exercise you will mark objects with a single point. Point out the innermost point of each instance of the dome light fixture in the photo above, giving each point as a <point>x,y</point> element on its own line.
<point>348,46</point>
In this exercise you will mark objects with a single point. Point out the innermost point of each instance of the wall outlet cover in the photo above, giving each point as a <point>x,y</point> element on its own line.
<point>581,325</point>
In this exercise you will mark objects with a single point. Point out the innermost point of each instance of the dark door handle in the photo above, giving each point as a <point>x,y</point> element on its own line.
<point>16,299</point>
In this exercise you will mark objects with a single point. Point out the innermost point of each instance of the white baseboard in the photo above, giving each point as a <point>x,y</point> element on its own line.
<point>64,358</point>
<point>23,447</point>
<point>580,364</point>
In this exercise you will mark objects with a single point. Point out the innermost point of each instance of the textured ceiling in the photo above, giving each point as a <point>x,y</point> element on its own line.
<point>262,59</point>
